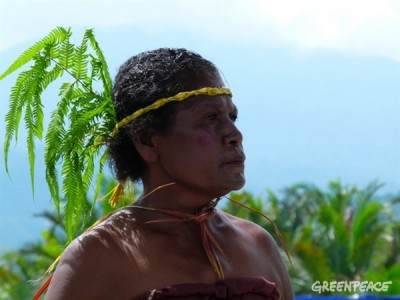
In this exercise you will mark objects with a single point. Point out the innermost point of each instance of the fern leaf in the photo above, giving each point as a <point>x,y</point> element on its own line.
<point>80,62</point>
<point>70,190</point>
<point>54,137</point>
<point>26,93</point>
<point>100,177</point>
<point>52,182</point>
<point>57,35</point>
<point>106,78</point>
<point>13,115</point>
<point>51,76</point>
<point>66,53</point>
<point>80,118</point>
<point>30,144</point>
<point>33,113</point>
<point>38,117</point>
<point>38,74</point>
<point>88,173</point>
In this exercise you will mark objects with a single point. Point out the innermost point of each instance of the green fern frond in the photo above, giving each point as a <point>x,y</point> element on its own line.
<point>53,141</point>
<point>57,35</point>
<point>66,54</point>
<point>105,75</point>
<point>82,115</point>
<point>88,172</point>
<point>80,61</point>
<point>30,144</point>
<point>70,190</point>
<point>51,76</point>
<point>100,177</point>
<point>56,130</point>
<point>38,117</point>
<point>14,113</point>
<point>52,182</point>
<point>33,110</point>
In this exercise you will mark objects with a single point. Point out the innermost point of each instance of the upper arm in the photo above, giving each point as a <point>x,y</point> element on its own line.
<point>80,272</point>
<point>262,248</point>
<point>270,249</point>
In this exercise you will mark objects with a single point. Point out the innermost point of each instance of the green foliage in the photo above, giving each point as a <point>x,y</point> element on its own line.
<point>343,233</point>
<point>16,269</point>
<point>339,234</point>
<point>385,274</point>
<point>22,272</point>
<point>83,116</point>
<point>314,242</point>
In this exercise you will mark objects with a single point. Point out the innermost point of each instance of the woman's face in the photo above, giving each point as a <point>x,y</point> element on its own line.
<point>203,149</point>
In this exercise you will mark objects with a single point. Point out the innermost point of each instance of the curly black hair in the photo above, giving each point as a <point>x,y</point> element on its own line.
<point>140,81</point>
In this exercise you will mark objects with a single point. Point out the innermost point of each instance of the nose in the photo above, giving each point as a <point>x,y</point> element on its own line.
<point>232,135</point>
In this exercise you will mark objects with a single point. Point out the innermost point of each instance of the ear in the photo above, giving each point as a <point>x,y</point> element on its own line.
<point>146,149</point>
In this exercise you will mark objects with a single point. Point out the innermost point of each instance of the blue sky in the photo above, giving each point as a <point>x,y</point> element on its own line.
<point>316,84</point>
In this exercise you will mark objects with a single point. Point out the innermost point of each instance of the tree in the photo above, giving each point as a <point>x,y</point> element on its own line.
<point>344,233</point>
<point>324,230</point>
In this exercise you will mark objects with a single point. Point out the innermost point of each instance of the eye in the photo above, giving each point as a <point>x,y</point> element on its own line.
<point>233,117</point>
<point>212,116</point>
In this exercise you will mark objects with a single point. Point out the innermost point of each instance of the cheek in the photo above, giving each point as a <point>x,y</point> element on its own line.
<point>205,140</point>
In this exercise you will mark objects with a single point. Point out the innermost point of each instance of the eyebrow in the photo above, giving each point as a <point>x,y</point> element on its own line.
<point>209,102</point>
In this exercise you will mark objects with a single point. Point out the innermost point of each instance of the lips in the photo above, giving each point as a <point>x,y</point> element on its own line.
<point>236,160</point>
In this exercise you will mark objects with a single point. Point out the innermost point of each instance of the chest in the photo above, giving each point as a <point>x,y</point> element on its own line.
<point>177,257</point>
<point>158,259</point>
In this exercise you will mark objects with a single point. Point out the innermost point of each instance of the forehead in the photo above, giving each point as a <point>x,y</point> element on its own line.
<point>201,103</point>
<point>198,103</point>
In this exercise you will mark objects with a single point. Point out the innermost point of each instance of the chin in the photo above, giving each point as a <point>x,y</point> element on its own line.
<point>238,187</point>
<point>234,186</point>
<point>239,182</point>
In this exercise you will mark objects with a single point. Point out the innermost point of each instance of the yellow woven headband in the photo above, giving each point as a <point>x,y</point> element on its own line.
<point>207,91</point>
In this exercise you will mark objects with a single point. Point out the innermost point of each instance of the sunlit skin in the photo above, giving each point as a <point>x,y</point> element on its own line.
<point>202,155</point>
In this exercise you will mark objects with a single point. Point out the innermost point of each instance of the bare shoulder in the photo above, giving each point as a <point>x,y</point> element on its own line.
<point>252,232</point>
<point>264,249</point>
<point>86,264</point>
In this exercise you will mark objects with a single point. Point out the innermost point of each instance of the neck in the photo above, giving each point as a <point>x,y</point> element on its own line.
<point>173,197</point>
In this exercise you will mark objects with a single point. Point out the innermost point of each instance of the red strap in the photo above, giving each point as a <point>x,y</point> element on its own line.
<point>210,244</point>
<point>43,288</point>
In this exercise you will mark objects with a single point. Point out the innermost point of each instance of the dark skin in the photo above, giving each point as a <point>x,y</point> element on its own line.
<point>124,257</point>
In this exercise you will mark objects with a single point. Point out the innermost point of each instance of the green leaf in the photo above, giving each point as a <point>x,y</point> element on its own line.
<point>105,75</point>
<point>81,118</point>
<point>57,35</point>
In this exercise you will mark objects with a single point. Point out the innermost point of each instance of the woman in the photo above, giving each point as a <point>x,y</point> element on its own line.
<point>187,152</point>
